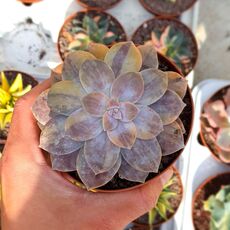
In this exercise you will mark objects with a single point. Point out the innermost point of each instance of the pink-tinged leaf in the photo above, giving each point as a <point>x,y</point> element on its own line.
<point>64,97</point>
<point>149,56</point>
<point>144,156</point>
<point>96,76</point>
<point>171,139</point>
<point>225,156</point>
<point>98,50</point>
<point>124,135</point>
<point>148,123</point>
<point>180,123</point>
<point>216,114</point>
<point>223,139</point>
<point>81,126</point>
<point>41,127</point>
<point>169,107</point>
<point>95,104</point>
<point>64,163</point>
<point>72,64</point>
<point>88,177</point>
<point>56,73</point>
<point>101,154</point>
<point>177,83</point>
<point>128,87</point>
<point>164,35</point>
<point>227,97</point>
<point>155,85</point>
<point>129,111</point>
<point>129,173</point>
<point>54,140</point>
<point>109,123</point>
<point>124,57</point>
<point>40,108</point>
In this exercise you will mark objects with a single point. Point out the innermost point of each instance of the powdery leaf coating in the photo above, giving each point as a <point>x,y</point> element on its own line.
<point>64,163</point>
<point>80,126</point>
<point>129,111</point>
<point>127,172</point>
<point>40,108</point>
<point>98,50</point>
<point>124,57</point>
<point>144,156</point>
<point>109,123</point>
<point>64,97</point>
<point>95,104</point>
<point>148,123</point>
<point>155,85</point>
<point>177,83</point>
<point>149,56</point>
<point>54,140</point>
<point>101,154</point>
<point>72,64</point>
<point>223,139</point>
<point>128,87</point>
<point>89,178</point>
<point>171,139</point>
<point>96,76</point>
<point>124,135</point>
<point>169,107</point>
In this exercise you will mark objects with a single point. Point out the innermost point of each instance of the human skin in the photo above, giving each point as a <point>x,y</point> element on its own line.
<point>36,197</point>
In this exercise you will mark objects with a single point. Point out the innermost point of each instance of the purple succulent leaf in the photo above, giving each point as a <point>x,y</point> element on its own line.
<point>129,111</point>
<point>124,57</point>
<point>98,50</point>
<point>95,103</point>
<point>144,156</point>
<point>101,154</point>
<point>88,177</point>
<point>227,97</point>
<point>54,140</point>
<point>64,97</point>
<point>169,107</point>
<point>224,156</point>
<point>149,57</point>
<point>124,136</point>
<point>41,127</point>
<point>223,139</point>
<point>64,163</point>
<point>128,87</point>
<point>81,126</point>
<point>127,172</point>
<point>180,123</point>
<point>171,139</point>
<point>96,76</point>
<point>40,108</point>
<point>109,123</point>
<point>148,123</point>
<point>72,64</point>
<point>155,86</point>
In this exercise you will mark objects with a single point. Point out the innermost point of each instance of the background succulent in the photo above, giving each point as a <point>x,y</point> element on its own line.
<point>219,207</point>
<point>105,116</point>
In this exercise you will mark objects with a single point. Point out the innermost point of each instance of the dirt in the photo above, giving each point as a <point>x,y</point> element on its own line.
<point>201,218</point>
<point>143,34</point>
<point>166,7</point>
<point>101,4</point>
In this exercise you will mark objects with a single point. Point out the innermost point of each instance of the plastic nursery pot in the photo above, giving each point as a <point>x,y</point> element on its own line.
<point>208,133</point>
<point>29,2</point>
<point>185,58</point>
<point>175,202</point>
<point>167,8</point>
<point>98,4</point>
<point>117,184</point>
<point>27,80</point>
<point>210,186</point>
<point>65,35</point>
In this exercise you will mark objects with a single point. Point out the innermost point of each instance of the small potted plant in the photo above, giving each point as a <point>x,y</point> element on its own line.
<point>169,8</point>
<point>171,38</point>
<point>167,205</point>
<point>115,122</point>
<point>215,125</point>
<point>85,27</point>
<point>98,4</point>
<point>211,204</point>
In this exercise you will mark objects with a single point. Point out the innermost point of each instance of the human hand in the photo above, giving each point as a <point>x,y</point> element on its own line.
<point>36,197</point>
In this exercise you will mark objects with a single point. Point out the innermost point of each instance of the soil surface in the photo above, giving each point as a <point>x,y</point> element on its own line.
<point>167,7</point>
<point>101,4</point>
<point>158,25</point>
<point>201,218</point>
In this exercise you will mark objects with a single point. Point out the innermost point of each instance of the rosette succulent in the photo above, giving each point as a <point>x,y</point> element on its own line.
<point>117,114</point>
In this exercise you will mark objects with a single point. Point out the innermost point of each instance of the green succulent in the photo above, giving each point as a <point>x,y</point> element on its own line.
<point>219,207</point>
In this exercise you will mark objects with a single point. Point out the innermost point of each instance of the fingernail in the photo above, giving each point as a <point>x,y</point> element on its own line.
<point>166,176</point>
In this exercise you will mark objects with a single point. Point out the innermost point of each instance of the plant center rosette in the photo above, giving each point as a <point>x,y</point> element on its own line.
<point>111,112</point>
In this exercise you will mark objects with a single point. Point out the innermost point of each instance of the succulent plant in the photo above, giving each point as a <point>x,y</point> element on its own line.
<point>219,208</point>
<point>217,113</point>
<point>9,94</point>
<point>119,113</point>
